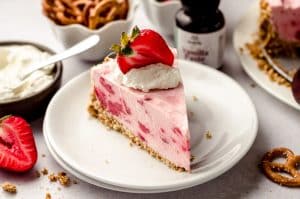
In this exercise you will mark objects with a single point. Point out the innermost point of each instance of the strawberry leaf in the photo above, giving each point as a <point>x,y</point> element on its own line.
<point>116,48</point>
<point>135,32</point>
<point>124,40</point>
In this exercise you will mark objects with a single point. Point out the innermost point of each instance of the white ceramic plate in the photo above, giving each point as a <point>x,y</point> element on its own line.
<point>81,176</point>
<point>245,32</point>
<point>88,147</point>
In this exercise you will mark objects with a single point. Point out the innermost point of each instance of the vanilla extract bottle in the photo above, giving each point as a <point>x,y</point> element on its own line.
<point>200,32</point>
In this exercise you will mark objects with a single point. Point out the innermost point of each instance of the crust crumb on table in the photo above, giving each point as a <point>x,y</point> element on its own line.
<point>63,179</point>
<point>44,171</point>
<point>37,174</point>
<point>208,135</point>
<point>96,110</point>
<point>195,98</point>
<point>48,196</point>
<point>9,187</point>
<point>43,155</point>
<point>52,177</point>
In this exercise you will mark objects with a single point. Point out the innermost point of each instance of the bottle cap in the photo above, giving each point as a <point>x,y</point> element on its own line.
<point>204,6</point>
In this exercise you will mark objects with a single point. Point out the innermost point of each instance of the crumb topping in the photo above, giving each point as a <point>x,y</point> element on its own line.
<point>9,187</point>
<point>63,179</point>
<point>44,171</point>
<point>37,174</point>
<point>208,135</point>
<point>48,196</point>
<point>52,177</point>
<point>195,98</point>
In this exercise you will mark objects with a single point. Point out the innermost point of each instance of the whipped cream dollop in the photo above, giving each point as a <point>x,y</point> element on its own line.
<point>153,76</point>
<point>15,60</point>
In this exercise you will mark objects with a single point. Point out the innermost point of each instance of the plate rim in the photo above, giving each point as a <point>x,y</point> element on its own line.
<point>245,66</point>
<point>72,171</point>
<point>94,182</point>
<point>185,183</point>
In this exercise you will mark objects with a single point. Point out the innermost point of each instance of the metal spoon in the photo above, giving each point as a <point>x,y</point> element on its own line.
<point>74,50</point>
<point>287,68</point>
<point>283,70</point>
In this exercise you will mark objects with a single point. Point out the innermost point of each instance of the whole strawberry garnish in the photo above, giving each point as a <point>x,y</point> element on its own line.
<point>17,147</point>
<point>141,48</point>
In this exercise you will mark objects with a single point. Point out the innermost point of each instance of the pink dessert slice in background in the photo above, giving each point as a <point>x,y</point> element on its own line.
<point>285,16</point>
<point>158,118</point>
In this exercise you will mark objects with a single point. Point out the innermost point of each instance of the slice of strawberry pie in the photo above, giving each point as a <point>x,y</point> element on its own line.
<point>140,94</point>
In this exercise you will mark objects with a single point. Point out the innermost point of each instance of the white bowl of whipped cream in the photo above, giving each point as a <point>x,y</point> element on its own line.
<point>30,99</point>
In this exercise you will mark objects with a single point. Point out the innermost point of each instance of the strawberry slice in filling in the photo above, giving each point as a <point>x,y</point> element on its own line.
<point>158,118</point>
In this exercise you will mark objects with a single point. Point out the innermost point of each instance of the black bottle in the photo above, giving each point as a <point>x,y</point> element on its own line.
<point>200,32</point>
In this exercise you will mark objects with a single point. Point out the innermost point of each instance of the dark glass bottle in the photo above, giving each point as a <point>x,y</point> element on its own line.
<point>200,32</point>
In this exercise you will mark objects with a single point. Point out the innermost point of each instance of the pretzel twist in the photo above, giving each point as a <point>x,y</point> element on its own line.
<point>96,17</point>
<point>91,13</point>
<point>274,170</point>
<point>84,6</point>
<point>123,8</point>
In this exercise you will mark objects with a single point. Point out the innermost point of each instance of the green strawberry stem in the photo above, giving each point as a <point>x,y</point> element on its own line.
<point>124,47</point>
<point>135,33</point>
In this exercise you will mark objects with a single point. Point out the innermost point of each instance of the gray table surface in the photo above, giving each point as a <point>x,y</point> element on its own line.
<point>278,124</point>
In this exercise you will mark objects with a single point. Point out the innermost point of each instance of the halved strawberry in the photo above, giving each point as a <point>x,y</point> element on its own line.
<point>17,147</point>
<point>142,48</point>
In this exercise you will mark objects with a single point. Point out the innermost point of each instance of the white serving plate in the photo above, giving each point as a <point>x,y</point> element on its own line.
<point>245,32</point>
<point>104,156</point>
<point>81,176</point>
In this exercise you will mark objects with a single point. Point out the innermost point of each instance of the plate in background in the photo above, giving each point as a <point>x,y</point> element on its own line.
<point>244,33</point>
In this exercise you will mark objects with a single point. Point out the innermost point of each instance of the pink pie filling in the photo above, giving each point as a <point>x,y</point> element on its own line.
<point>158,118</point>
<point>285,16</point>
